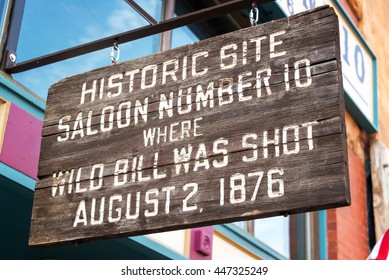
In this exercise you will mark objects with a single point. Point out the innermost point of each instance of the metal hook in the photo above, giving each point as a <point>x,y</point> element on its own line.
<point>115,48</point>
<point>254,18</point>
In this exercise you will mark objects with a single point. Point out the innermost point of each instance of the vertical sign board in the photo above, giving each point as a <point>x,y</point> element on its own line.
<point>241,126</point>
<point>358,64</point>
<point>379,156</point>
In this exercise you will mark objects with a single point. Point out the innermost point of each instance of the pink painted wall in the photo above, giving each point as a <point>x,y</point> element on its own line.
<point>22,141</point>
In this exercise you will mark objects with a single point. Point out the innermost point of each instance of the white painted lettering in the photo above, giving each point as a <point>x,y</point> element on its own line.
<point>182,157</point>
<point>118,210</point>
<point>118,85</point>
<point>244,52</point>
<point>90,131</point>
<point>162,135</point>
<point>242,86</point>
<point>100,168</point>
<point>141,110</point>
<point>225,86</point>
<point>148,136</point>
<point>140,171</point>
<point>93,220</point>
<point>203,98</point>
<point>258,42</point>
<point>91,91</point>
<point>223,151</point>
<point>172,72</point>
<point>246,144</point>
<point>127,119</point>
<point>196,126</point>
<point>78,128</point>
<point>307,67</point>
<point>121,167</point>
<point>196,73</point>
<point>201,159</point>
<point>153,82</point>
<point>103,126</point>
<point>237,185</point>
<point>274,43</point>
<point>188,102</point>
<point>232,58</point>
<point>65,127</point>
<point>81,217</point>
<point>265,80</point>
<point>153,201</point>
<point>276,142</point>
<point>296,139</point>
<point>185,206</point>
<point>134,216</point>
<point>166,105</point>
<point>270,182</point>
<point>155,168</point>
<point>309,125</point>
<point>286,77</point>
<point>173,132</point>
<point>78,182</point>
<point>132,77</point>
<point>168,190</point>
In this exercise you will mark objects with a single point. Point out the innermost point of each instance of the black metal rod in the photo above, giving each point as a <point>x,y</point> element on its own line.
<point>197,16</point>
<point>142,12</point>
<point>16,16</point>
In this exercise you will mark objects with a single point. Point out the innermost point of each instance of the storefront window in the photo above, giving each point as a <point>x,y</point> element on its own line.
<point>294,237</point>
<point>182,36</point>
<point>274,232</point>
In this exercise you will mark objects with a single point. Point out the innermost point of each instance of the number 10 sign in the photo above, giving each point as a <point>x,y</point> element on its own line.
<point>359,66</point>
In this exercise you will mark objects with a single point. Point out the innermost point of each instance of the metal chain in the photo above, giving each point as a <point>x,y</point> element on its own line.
<point>254,14</point>
<point>115,49</point>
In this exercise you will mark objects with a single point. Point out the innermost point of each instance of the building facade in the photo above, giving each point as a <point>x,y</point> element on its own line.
<point>28,32</point>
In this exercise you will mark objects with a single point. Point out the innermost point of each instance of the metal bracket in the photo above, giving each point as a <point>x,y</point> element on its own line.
<point>15,23</point>
<point>9,58</point>
<point>152,29</point>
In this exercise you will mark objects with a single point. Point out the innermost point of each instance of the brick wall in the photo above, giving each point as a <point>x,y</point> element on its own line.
<point>347,227</point>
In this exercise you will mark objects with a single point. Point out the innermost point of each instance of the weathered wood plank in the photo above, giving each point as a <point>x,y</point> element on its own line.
<point>248,124</point>
<point>379,155</point>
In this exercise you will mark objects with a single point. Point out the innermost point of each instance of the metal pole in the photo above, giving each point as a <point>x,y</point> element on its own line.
<point>11,43</point>
<point>168,13</point>
<point>5,12</point>
<point>308,237</point>
<point>142,12</point>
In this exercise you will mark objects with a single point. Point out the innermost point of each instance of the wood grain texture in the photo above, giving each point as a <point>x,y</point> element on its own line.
<point>268,139</point>
<point>379,156</point>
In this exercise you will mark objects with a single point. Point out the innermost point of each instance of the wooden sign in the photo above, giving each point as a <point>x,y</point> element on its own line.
<point>379,163</point>
<point>245,125</point>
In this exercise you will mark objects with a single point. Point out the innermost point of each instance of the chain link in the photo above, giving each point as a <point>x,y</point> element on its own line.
<point>254,14</point>
<point>115,53</point>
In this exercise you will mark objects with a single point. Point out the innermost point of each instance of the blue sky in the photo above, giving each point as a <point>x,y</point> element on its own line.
<point>50,26</point>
